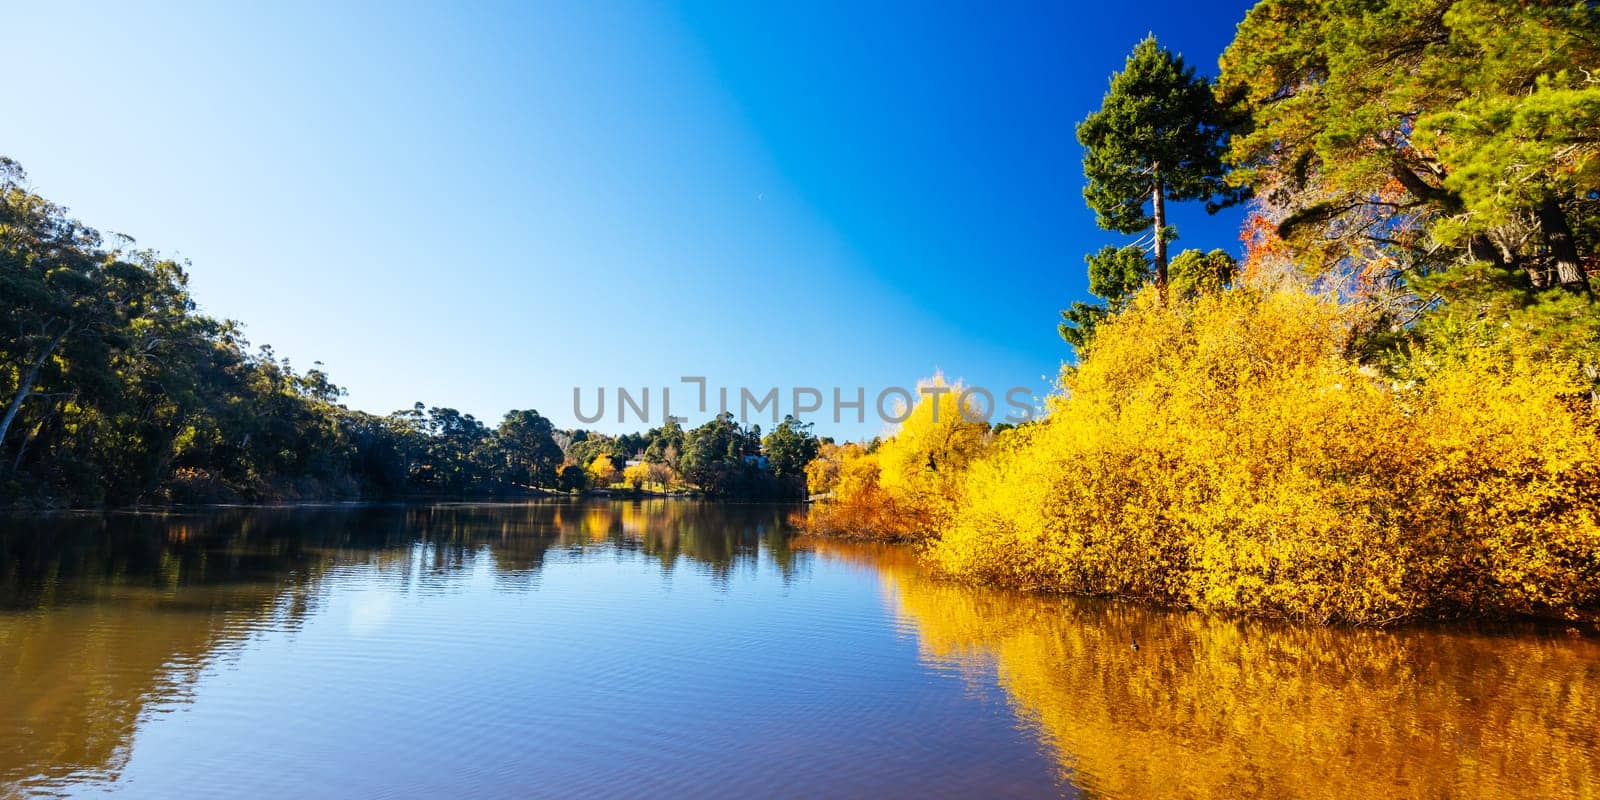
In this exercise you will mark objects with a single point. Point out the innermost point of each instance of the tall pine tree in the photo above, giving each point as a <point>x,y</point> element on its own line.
<point>1159,136</point>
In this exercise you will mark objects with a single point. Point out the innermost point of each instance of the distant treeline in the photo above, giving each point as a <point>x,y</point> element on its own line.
<point>118,392</point>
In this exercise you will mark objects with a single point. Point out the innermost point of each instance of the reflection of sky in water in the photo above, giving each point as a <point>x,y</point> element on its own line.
<point>567,657</point>
<point>370,611</point>
<point>681,649</point>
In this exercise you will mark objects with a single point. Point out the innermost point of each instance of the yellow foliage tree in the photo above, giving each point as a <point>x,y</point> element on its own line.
<point>636,475</point>
<point>602,473</point>
<point>909,487</point>
<point>822,472</point>
<point>1226,453</point>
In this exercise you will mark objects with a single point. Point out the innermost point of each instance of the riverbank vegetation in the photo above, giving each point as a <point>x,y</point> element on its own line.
<point>117,391</point>
<point>1387,409</point>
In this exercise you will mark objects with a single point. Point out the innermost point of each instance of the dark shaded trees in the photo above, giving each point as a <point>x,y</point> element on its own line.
<point>528,452</point>
<point>116,391</point>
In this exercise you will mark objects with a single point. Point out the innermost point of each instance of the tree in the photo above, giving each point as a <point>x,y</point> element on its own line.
<point>789,447</point>
<point>1194,273</point>
<point>908,486</point>
<point>712,454</point>
<point>636,475</point>
<point>63,291</point>
<point>1117,274</point>
<point>601,472</point>
<point>114,390</point>
<point>458,458</point>
<point>1114,274</point>
<point>1158,137</point>
<point>1394,139</point>
<point>528,449</point>
<point>572,478</point>
<point>661,474</point>
<point>584,448</point>
<point>823,471</point>
<point>665,444</point>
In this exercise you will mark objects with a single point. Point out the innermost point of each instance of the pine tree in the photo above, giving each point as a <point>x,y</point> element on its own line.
<point>1432,134</point>
<point>1159,136</point>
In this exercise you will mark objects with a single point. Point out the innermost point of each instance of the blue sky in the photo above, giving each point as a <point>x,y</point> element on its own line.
<point>486,206</point>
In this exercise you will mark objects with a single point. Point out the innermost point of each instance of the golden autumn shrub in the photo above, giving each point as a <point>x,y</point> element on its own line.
<point>860,506</point>
<point>1510,489</point>
<point>636,475</point>
<point>1228,453</point>
<point>601,472</point>
<point>822,471</point>
<point>909,487</point>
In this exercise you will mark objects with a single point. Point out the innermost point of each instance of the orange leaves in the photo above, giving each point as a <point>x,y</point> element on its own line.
<point>910,486</point>
<point>1261,243</point>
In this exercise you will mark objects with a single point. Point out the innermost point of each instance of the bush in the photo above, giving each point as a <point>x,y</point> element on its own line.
<point>910,486</point>
<point>1227,453</point>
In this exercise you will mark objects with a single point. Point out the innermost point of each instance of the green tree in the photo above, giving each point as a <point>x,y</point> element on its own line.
<point>65,297</point>
<point>456,458</point>
<point>572,478</point>
<point>712,454</point>
<point>114,390</point>
<point>789,447</point>
<point>665,444</point>
<point>528,449</point>
<point>1194,272</point>
<point>1394,139</point>
<point>1158,137</point>
<point>586,445</point>
<point>1115,274</point>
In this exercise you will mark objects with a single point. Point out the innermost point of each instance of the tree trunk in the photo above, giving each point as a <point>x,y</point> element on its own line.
<point>25,388</point>
<point>22,449</point>
<point>1160,205</point>
<point>39,427</point>
<point>1567,272</point>
<point>1480,248</point>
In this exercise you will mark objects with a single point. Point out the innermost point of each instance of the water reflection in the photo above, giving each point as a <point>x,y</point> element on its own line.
<point>1214,707</point>
<point>672,648</point>
<point>52,560</point>
<point>103,617</point>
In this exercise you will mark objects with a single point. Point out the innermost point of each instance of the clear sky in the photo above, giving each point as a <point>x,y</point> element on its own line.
<point>486,206</point>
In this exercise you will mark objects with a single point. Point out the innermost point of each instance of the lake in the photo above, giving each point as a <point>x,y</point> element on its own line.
<point>673,648</point>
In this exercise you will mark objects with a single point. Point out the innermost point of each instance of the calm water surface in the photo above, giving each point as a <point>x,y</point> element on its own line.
<point>676,649</point>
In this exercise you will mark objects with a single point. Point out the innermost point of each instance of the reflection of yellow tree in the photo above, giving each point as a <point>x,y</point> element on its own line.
<point>1210,707</point>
